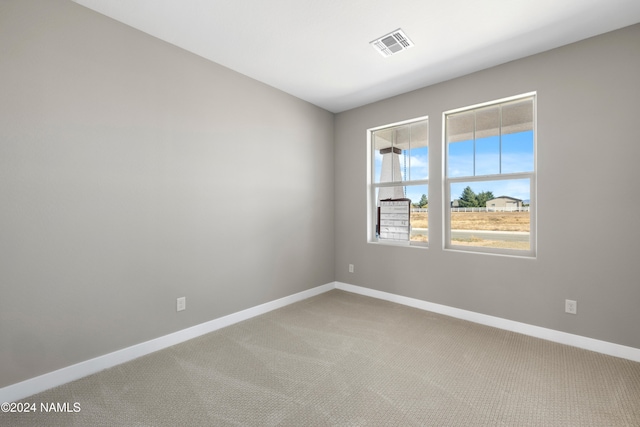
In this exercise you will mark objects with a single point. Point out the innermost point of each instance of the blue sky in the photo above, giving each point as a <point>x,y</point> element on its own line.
<point>515,155</point>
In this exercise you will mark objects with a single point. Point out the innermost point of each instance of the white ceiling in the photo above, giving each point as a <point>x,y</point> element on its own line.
<point>318,50</point>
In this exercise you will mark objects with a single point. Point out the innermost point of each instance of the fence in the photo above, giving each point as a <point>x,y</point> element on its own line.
<point>491,209</point>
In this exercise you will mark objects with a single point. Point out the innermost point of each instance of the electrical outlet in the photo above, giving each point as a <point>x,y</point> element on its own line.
<point>181,304</point>
<point>350,268</point>
<point>570,306</point>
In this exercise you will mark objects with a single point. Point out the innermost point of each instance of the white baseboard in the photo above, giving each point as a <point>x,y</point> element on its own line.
<point>49,380</point>
<point>579,341</point>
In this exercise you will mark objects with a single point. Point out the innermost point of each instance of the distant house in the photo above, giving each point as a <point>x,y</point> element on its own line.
<point>504,203</point>
<point>455,203</point>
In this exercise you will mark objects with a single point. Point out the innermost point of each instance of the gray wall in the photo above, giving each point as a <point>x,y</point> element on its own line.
<point>133,173</point>
<point>588,95</point>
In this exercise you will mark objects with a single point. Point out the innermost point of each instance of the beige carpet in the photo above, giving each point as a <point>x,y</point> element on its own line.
<point>341,359</point>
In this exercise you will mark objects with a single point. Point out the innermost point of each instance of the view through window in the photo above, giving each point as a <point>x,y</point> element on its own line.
<point>490,177</point>
<point>399,158</point>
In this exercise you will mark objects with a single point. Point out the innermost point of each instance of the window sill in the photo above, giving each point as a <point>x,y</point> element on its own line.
<point>418,245</point>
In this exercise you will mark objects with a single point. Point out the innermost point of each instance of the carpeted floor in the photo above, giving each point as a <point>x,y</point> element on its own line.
<point>341,359</point>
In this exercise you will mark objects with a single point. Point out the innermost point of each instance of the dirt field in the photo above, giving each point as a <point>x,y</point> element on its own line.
<point>488,221</point>
<point>493,221</point>
<point>492,243</point>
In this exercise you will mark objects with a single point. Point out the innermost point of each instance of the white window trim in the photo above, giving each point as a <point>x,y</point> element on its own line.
<point>532,176</point>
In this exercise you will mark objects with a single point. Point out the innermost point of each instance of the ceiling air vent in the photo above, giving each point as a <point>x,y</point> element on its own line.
<point>392,43</point>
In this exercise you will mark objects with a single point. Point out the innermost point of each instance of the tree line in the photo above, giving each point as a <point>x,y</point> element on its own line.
<point>468,199</point>
<point>423,203</point>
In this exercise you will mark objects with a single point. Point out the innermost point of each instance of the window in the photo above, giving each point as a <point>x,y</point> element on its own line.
<point>490,177</point>
<point>399,169</point>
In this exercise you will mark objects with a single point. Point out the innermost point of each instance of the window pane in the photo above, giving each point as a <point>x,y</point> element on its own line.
<point>460,159</point>
<point>488,155</point>
<point>384,193</point>
<point>487,122</point>
<point>492,214</point>
<point>401,153</point>
<point>517,116</point>
<point>418,155</point>
<point>419,208</point>
<point>461,126</point>
<point>517,152</point>
<point>487,136</point>
<point>386,161</point>
<point>460,144</point>
<point>419,163</point>
<point>491,140</point>
<point>419,212</point>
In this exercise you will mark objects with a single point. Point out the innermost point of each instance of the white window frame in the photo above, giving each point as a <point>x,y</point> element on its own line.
<point>532,176</point>
<point>372,186</point>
